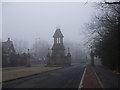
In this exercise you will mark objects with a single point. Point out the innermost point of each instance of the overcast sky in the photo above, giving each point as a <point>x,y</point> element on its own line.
<point>30,21</point>
<point>0,20</point>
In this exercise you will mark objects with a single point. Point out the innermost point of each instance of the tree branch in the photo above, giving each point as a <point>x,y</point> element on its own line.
<point>112,2</point>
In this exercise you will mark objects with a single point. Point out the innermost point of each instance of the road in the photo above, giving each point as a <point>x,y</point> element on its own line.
<point>68,77</point>
<point>107,77</point>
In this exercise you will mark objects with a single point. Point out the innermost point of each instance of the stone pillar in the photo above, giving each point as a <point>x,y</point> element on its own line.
<point>92,58</point>
<point>48,57</point>
<point>69,57</point>
<point>28,60</point>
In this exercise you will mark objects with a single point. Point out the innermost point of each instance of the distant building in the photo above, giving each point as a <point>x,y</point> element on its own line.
<point>8,47</point>
<point>8,54</point>
<point>58,56</point>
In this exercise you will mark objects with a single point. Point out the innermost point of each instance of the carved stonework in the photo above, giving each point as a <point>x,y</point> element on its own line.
<point>58,56</point>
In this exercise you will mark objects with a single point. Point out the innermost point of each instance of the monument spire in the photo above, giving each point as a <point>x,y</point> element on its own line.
<point>58,56</point>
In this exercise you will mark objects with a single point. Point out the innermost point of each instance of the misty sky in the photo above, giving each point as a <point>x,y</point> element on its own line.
<point>30,21</point>
<point>0,20</point>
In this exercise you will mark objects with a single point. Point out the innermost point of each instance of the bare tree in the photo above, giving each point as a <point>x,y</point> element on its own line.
<point>21,46</point>
<point>103,32</point>
<point>76,50</point>
<point>40,48</point>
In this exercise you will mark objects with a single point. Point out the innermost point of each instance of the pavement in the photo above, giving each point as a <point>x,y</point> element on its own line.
<point>108,78</point>
<point>90,79</point>
<point>99,77</point>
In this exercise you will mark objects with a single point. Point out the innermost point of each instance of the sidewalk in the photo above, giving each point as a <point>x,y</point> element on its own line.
<point>108,78</point>
<point>90,79</point>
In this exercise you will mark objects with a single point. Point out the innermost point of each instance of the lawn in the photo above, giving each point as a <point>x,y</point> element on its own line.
<point>0,76</point>
<point>14,74</point>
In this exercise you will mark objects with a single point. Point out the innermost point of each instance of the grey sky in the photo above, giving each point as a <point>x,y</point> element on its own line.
<point>0,20</point>
<point>30,21</point>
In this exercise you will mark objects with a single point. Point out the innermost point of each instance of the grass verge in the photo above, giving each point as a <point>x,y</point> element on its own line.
<point>15,74</point>
<point>0,76</point>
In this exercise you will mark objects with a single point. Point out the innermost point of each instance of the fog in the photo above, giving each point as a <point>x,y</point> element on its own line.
<point>0,20</point>
<point>32,21</point>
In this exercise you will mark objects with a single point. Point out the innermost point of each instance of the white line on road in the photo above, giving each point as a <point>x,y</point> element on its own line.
<point>99,80</point>
<point>81,82</point>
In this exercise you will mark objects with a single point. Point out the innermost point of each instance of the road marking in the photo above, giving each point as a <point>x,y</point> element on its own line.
<point>98,80</point>
<point>81,82</point>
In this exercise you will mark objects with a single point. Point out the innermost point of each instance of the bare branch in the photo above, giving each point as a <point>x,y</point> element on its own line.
<point>112,2</point>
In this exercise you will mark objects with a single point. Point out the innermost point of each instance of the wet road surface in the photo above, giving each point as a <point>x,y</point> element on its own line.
<point>68,77</point>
